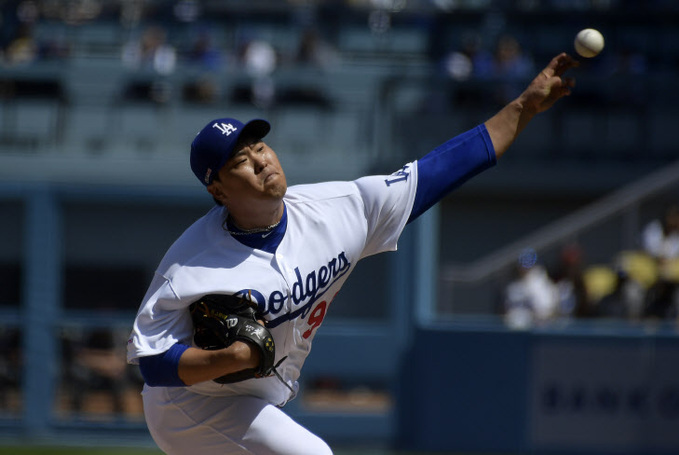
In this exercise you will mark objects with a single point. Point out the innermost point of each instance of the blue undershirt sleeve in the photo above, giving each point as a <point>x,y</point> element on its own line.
<point>162,370</point>
<point>450,165</point>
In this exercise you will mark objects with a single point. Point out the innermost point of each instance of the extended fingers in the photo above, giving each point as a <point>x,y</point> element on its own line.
<point>559,86</point>
<point>560,64</point>
<point>563,88</point>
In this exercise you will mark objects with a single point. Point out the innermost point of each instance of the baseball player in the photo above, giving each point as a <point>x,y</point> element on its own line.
<point>289,251</point>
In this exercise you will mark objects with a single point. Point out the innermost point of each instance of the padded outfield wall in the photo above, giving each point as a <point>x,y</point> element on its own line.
<point>579,389</point>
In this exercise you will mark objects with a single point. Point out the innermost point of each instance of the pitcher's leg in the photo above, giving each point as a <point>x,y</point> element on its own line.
<point>185,423</point>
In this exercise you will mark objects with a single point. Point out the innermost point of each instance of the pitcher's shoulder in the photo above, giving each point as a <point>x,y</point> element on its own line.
<point>320,191</point>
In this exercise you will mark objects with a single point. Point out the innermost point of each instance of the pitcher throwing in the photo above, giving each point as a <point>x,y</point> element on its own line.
<point>285,254</point>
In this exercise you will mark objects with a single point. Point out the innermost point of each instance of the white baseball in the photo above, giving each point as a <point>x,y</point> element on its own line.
<point>589,42</point>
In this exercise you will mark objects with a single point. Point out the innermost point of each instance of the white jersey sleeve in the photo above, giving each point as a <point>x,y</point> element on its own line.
<point>388,203</point>
<point>163,318</point>
<point>159,323</point>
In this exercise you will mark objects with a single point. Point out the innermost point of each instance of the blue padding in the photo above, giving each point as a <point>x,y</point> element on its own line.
<point>162,370</point>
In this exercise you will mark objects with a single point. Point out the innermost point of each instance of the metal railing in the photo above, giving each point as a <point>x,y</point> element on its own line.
<point>479,279</point>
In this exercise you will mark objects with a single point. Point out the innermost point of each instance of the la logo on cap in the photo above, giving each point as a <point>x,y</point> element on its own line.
<point>225,128</point>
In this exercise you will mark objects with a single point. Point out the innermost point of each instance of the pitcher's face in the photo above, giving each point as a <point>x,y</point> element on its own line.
<point>253,174</point>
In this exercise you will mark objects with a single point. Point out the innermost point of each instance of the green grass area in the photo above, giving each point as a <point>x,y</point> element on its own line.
<point>76,451</point>
<point>114,451</point>
<point>81,450</point>
<point>49,450</point>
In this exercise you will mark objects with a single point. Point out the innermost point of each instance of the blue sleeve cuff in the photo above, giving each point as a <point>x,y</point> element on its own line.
<point>450,165</point>
<point>162,370</point>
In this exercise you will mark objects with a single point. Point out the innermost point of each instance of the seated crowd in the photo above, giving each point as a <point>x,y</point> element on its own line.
<point>638,284</point>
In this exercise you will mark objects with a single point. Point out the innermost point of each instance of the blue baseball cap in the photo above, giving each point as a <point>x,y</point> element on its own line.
<point>216,142</point>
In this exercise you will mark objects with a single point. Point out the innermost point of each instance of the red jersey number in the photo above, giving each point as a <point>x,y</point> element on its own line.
<point>316,317</point>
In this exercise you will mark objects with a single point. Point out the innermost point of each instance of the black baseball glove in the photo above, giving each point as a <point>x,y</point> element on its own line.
<point>219,320</point>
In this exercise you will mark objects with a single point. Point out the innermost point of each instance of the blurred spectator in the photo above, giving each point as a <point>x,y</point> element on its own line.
<point>626,301</point>
<point>203,90</point>
<point>662,300</point>
<point>20,41</point>
<point>660,237</point>
<point>316,52</point>
<point>531,297</point>
<point>151,51</point>
<point>570,283</point>
<point>511,65</point>
<point>260,60</point>
<point>458,65</point>
<point>312,53</point>
<point>22,48</point>
<point>204,53</point>
<point>471,61</point>
<point>187,10</point>
<point>660,240</point>
<point>96,363</point>
<point>510,60</point>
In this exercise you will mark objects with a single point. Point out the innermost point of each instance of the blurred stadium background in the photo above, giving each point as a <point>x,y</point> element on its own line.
<point>436,349</point>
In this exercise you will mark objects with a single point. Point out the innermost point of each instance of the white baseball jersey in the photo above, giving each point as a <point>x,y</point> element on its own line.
<point>330,227</point>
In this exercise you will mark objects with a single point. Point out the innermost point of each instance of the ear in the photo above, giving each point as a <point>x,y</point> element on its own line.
<point>217,192</point>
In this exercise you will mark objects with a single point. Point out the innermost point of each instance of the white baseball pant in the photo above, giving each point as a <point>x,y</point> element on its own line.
<point>185,423</point>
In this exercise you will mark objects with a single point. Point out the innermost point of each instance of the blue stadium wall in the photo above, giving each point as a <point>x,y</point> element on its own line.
<point>575,390</point>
